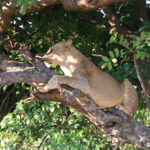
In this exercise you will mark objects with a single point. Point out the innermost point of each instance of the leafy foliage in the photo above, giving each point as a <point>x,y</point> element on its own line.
<point>140,45</point>
<point>48,124</point>
<point>24,5</point>
<point>59,126</point>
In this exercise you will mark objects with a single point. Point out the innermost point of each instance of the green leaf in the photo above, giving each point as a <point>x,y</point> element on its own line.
<point>109,65</point>
<point>103,65</point>
<point>112,39</point>
<point>23,8</point>
<point>32,3</point>
<point>121,39</point>
<point>116,51</point>
<point>111,54</point>
<point>105,58</point>
<point>142,55</point>
<point>19,2</point>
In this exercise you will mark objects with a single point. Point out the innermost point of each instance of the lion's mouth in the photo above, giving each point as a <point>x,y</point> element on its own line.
<point>47,60</point>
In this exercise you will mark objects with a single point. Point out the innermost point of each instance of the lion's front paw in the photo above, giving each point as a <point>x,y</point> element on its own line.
<point>42,89</point>
<point>53,83</point>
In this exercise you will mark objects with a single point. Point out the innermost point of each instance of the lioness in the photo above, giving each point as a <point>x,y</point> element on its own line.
<point>82,74</point>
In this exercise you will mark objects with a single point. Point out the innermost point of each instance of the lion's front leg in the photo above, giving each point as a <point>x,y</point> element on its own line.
<point>53,83</point>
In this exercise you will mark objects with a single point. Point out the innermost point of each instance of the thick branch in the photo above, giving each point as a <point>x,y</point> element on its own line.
<point>9,8</point>
<point>124,127</point>
<point>17,72</point>
<point>10,65</point>
<point>87,5</point>
<point>112,122</point>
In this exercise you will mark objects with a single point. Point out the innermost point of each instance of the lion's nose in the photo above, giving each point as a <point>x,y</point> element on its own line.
<point>44,57</point>
<point>40,57</point>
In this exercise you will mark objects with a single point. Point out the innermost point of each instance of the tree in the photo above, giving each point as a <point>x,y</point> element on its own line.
<point>116,37</point>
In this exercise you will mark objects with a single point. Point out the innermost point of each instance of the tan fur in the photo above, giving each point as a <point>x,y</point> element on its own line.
<point>82,74</point>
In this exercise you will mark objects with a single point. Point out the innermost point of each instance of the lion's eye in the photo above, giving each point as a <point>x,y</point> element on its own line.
<point>50,51</point>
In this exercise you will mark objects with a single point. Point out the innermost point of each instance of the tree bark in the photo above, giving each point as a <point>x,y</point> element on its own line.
<point>113,122</point>
<point>141,5</point>
<point>9,8</point>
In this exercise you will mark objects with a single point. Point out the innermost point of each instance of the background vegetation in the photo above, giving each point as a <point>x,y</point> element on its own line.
<point>55,126</point>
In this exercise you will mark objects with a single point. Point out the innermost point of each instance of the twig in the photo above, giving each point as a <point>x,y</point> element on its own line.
<point>146,96</point>
<point>5,99</point>
<point>42,142</point>
<point>97,55</point>
<point>116,146</point>
<point>124,147</point>
<point>20,30</point>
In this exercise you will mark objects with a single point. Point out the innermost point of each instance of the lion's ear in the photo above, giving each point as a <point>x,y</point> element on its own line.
<point>68,44</point>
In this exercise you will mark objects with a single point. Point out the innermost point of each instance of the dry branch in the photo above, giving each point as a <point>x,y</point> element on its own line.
<point>112,121</point>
